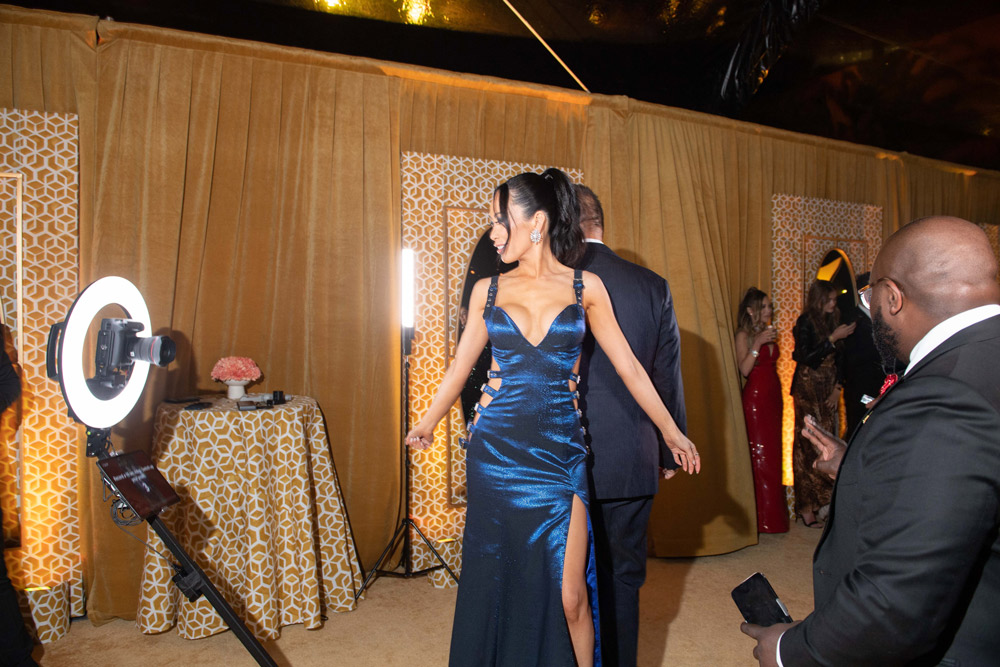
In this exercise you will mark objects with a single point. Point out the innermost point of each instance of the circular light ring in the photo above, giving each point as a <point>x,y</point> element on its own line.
<point>88,408</point>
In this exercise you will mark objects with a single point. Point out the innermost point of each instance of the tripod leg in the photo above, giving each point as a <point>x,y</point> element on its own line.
<point>385,554</point>
<point>433,550</point>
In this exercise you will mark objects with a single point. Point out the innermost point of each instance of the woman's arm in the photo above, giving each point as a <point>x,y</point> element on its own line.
<point>601,318</point>
<point>747,349</point>
<point>471,345</point>
<point>810,349</point>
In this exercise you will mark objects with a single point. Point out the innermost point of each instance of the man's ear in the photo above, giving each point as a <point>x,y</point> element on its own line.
<point>894,298</point>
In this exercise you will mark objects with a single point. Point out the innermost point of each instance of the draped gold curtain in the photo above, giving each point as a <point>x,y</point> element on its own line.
<point>252,192</point>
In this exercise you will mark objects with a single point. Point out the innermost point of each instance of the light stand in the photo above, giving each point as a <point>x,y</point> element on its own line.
<point>124,352</point>
<point>403,530</point>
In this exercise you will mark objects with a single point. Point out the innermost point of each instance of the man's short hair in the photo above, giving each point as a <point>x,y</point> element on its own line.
<point>591,211</point>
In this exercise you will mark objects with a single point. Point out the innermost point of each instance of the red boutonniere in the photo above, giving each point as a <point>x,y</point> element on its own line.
<point>890,380</point>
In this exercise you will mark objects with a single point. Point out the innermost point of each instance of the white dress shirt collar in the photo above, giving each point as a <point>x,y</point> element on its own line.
<point>948,328</point>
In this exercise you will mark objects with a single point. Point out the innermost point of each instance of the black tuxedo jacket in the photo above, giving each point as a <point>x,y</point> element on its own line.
<point>626,445</point>
<point>907,571</point>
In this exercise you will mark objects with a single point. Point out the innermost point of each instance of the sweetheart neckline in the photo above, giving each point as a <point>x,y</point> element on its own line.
<point>547,331</point>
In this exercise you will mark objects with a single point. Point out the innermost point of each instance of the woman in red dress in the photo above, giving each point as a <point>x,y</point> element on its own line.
<point>757,355</point>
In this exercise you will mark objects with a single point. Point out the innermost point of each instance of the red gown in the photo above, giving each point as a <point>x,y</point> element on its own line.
<point>762,411</point>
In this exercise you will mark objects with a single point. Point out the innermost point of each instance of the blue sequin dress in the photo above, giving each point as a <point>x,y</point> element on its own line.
<point>525,460</point>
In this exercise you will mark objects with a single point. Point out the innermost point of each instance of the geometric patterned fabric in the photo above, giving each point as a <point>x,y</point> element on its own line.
<point>262,514</point>
<point>43,149</point>
<point>804,230</point>
<point>445,202</point>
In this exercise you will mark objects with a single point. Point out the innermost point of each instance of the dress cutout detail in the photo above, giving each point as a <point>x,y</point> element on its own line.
<point>525,460</point>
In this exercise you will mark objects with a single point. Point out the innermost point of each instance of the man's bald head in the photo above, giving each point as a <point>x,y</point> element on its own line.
<point>928,271</point>
<point>944,265</point>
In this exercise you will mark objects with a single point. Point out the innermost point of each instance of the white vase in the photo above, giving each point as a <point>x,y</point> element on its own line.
<point>236,389</point>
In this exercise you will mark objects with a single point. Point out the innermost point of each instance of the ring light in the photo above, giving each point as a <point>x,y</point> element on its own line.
<point>88,408</point>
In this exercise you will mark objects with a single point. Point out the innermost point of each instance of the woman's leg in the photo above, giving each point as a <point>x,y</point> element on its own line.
<point>576,603</point>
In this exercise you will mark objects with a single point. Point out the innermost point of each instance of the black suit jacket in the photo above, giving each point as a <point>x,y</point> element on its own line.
<point>908,568</point>
<point>626,445</point>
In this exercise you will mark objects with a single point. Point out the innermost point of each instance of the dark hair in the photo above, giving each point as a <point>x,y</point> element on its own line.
<point>551,192</point>
<point>591,211</point>
<point>753,299</point>
<point>823,323</point>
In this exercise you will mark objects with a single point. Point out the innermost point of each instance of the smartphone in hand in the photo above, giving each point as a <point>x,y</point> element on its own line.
<point>758,602</point>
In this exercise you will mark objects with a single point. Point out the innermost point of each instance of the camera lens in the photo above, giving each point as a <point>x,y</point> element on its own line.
<point>157,350</point>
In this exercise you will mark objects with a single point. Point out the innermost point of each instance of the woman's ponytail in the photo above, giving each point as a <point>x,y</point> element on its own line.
<point>565,235</point>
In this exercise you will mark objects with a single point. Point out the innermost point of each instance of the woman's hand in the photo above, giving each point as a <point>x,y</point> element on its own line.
<point>763,338</point>
<point>834,397</point>
<point>842,332</point>
<point>420,438</point>
<point>684,451</point>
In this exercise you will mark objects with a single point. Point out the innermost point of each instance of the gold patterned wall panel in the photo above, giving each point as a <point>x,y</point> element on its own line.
<point>444,209</point>
<point>804,230</point>
<point>43,149</point>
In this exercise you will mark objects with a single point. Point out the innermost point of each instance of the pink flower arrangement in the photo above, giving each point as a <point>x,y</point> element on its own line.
<point>235,368</point>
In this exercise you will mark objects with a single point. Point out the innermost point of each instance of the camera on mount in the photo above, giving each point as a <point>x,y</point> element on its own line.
<point>118,348</point>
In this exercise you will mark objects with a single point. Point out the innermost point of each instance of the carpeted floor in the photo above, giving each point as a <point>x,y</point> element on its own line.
<point>688,618</point>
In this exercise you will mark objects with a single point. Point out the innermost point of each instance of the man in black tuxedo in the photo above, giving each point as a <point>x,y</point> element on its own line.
<point>627,449</point>
<point>863,372</point>
<point>907,571</point>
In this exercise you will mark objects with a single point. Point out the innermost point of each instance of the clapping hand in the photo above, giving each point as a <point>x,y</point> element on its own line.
<point>829,447</point>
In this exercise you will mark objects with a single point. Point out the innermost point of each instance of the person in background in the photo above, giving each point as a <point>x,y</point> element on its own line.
<point>908,569</point>
<point>15,642</point>
<point>863,372</point>
<point>816,387</point>
<point>757,356</point>
<point>628,454</point>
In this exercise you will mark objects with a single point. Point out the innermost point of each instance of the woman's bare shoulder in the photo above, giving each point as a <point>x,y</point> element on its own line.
<point>592,281</point>
<point>477,299</point>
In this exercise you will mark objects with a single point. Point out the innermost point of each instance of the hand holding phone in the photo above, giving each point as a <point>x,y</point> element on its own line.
<point>758,602</point>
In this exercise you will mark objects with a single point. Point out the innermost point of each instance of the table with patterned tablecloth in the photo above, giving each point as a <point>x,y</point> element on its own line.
<point>261,512</point>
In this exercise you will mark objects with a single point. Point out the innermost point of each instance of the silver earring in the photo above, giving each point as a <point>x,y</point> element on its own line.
<point>536,236</point>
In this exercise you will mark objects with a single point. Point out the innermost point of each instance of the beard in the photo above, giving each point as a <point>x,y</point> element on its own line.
<point>886,340</point>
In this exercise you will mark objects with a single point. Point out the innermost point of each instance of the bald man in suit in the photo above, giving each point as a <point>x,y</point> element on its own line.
<point>907,571</point>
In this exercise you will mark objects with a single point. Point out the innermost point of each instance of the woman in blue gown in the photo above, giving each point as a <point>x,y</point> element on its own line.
<point>527,594</point>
